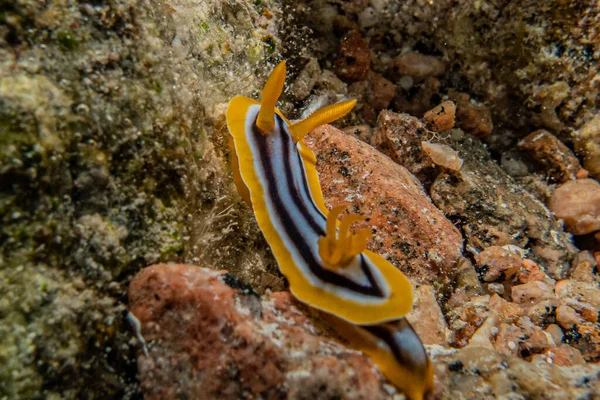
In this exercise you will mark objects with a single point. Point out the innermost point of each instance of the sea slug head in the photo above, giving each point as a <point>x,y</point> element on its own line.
<point>265,120</point>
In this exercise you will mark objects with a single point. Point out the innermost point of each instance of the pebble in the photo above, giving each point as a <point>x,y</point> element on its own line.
<point>559,161</point>
<point>441,117</point>
<point>354,59</point>
<point>578,204</point>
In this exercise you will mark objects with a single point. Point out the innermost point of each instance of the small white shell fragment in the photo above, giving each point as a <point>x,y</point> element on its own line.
<point>443,155</point>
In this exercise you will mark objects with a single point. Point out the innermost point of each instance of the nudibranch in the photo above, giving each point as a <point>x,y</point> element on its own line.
<point>396,349</point>
<point>326,264</point>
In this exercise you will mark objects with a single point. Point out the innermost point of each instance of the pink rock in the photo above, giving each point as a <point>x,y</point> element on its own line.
<point>206,340</point>
<point>407,229</point>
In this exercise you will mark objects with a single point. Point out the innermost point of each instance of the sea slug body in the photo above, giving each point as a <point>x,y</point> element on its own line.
<point>327,265</point>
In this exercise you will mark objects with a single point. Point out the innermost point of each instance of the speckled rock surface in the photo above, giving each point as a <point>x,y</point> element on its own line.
<point>410,231</point>
<point>207,340</point>
<point>493,210</point>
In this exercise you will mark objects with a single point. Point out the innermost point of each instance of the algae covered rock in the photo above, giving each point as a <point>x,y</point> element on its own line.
<point>105,164</point>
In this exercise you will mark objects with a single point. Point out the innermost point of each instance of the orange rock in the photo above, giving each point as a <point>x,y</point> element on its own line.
<point>567,317</point>
<point>407,228</point>
<point>564,355</point>
<point>498,263</point>
<point>530,272</point>
<point>582,174</point>
<point>441,117</point>
<point>560,162</point>
<point>578,204</point>
<point>531,293</point>
<point>473,118</point>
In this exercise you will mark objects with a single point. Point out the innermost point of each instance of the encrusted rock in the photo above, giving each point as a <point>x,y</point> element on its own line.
<point>407,229</point>
<point>204,334</point>
<point>399,136</point>
<point>354,59</point>
<point>587,143</point>
<point>479,373</point>
<point>560,162</point>
<point>493,210</point>
<point>578,204</point>
<point>381,92</point>
<point>531,293</point>
<point>361,132</point>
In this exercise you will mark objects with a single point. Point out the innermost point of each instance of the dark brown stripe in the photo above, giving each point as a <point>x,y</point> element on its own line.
<point>286,221</point>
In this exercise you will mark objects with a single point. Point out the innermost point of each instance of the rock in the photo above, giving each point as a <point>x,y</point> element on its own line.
<point>466,320</point>
<point>417,99</point>
<point>479,373</point>
<point>418,66</point>
<point>589,341</point>
<point>497,263</point>
<point>306,80</point>
<point>493,210</point>
<point>407,228</point>
<point>441,117</point>
<point>578,204</point>
<point>399,136</point>
<point>372,95</point>
<point>361,132</point>
<point>354,59</point>
<point>531,293</point>
<point>473,118</point>
<point>208,336</point>
<point>530,272</point>
<point>559,161</point>
<point>381,91</point>
<point>329,83</point>
<point>587,144</point>
<point>207,340</point>
<point>562,355</point>
<point>585,268</point>
<point>567,317</point>
<point>426,316</point>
